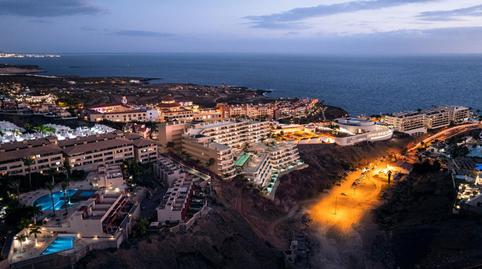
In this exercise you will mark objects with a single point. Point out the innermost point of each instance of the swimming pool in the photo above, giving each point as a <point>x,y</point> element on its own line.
<point>61,243</point>
<point>45,202</point>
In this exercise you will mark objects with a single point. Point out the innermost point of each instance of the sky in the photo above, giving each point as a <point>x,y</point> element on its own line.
<point>351,27</point>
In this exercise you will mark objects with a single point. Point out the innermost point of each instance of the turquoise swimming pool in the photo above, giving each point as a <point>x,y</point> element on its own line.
<point>45,202</point>
<point>61,243</point>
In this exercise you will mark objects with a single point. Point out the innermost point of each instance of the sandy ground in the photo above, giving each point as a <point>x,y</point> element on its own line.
<point>342,221</point>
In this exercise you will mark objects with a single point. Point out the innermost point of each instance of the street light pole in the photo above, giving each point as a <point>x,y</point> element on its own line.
<point>336,202</point>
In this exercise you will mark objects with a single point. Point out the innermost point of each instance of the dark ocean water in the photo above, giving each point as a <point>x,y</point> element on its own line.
<point>358,84</point>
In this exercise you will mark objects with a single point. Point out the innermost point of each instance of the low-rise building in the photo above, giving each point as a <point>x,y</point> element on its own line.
<point>117,113</point>
<point>81,153</point>
<point>145,150</point>
<point>169,171</point>
<point>357,130</point>
<point>35,156</point>
<point>108,177</point>
<point>87,153</point>
<point>175,203</point>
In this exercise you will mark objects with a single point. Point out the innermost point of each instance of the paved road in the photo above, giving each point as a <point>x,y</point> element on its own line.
<point>448,133</point>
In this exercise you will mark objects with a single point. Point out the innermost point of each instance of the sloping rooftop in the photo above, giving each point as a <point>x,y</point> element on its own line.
<point>98,146</point>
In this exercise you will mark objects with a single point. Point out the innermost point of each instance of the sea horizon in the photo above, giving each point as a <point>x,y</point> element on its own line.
<point>360,84</point>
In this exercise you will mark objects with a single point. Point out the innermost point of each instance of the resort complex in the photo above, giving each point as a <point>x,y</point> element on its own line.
<point>124,169</point>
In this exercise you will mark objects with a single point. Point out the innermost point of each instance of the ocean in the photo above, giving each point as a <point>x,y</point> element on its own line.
<point>360,85</point>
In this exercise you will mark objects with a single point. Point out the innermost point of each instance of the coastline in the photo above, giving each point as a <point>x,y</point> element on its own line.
<point>10,69</point>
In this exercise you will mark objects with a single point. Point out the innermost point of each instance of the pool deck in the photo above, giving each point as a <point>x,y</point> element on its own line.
<point>242,159</point>
<point>28,250</point>
<point>29,198</point>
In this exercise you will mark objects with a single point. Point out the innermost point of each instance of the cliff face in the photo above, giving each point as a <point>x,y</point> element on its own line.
<point>222,239</point>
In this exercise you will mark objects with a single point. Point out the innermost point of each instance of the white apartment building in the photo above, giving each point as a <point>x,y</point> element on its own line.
<point>434,118</point>
<point>214,144</point>
<point>258,169</point>
<point>459,114</point>
<point>106,215</point>
<point>217,157</point>
<point>108,177</point>
<point>175,203</point>
<point>169,171</point>
<point>437,117</point>
<point>171,133</point>
<point>407,122</point>
<point>117,113</point>
<point>263,164</point>
<point>284,157</point>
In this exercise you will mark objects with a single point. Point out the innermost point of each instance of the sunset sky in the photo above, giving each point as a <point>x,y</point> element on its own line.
<point>265,26</point>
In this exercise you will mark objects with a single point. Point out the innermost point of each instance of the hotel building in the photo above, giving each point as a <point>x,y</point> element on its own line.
<point>82,153</point>
<point>99,220</point>
<point>407,122</point>
<point>434,118</point>
<point>214,144</point>
<point>43,153</point>
<point>145,150</point>
<point>263,164</point>
<point>283,156</point>
<point>250,111</point>
<point>170,134</point>
<point>437,118</point>
<point>258,169</point>
<point>116,113</point>
<point>207,115</point>
<point>86,153</point>
<point>274,110</point>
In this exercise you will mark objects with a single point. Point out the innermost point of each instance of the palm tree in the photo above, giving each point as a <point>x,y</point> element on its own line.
<point>28,162</point>
<point>35,230</point>
<point>142,226</point>
<point>51,172</point>
<point>35,210</point>
<point>21,238</point>
<point>65,186</point>
<point>67,169</point>
<point>15,186</point>
<point>135,170</point>
<point>24,224</point>
<point>50,187</point>
<point>211,162</point>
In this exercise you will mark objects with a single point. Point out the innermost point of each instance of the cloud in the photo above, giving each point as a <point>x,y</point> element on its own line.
<point>48,8</point>
<point>448,15</point>
<point>140,33</point>
<point>291,18</point>
<point>37,21</point>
